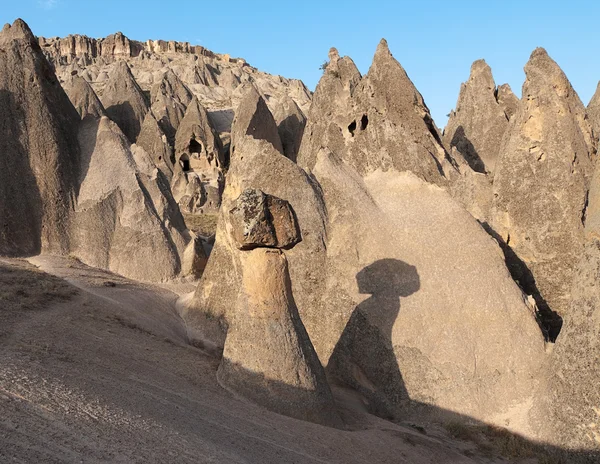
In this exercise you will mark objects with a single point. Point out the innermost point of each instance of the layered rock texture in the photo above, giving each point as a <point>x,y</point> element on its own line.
<point>39,158</point>
<point>541,185</point>
<point>478,123</point>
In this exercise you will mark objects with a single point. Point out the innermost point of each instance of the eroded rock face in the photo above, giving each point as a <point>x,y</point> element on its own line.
<point>290,124</point>
<point>541,184</point>
<point>39,159</point>
<point>153,140</point>
<point>198,178</point>
<point>568,413</point>
<point>478,123</point>
<point>593,111</point>
<point>257,164</point>
<point>124,101</point>
<point>125,220</point>
<point>253,118</point>
<point>259,220</point>
<point>379,121</point>
<point>507,100</point>
<point>170,99</point>
<point>268,356</point>
<point>83,97</point>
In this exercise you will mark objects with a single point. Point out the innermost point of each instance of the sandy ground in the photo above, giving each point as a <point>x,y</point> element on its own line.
<point>108,376</point>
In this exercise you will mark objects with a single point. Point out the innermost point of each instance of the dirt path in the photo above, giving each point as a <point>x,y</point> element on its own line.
<point>107,376</point>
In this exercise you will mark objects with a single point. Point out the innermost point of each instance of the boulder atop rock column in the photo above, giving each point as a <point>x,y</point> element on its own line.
<point>263,220</point>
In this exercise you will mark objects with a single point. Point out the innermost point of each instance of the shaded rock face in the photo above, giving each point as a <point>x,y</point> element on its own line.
<point>593,111</point>
<point>39,159</point>
<point>260,220</point>
<point>478,123</point>
<point>541,184</point>
<point>268,356</point>
<point>253,118</point>
<point>379,121</point>
<point>153,140</point>
<point>569,402</point>
<point>124,101</point>
<point>412,342</point>
<point>198,178</point>
<point>170,99</point>
<point>290,124</point>
<point>125,218</point>
<point>83,97</point>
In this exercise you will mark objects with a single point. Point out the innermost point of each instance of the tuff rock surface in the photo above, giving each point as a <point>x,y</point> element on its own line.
<point>268,356</point>
<point>39,158</point>
<point>478,123</point>
<point>541,185</point>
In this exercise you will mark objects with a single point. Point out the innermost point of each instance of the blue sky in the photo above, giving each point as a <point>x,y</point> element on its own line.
<point>435,41</point>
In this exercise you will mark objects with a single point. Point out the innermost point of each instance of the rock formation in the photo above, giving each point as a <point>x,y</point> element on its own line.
<point>268,356</point>
<point>569,415</point>
<point>478,123</point>
<point>256,163</point>
<point>39,159</point>
<point>507,100</point>
<point>593,111</point>
<point>118,224</point>
<point>198,177</point>
<point>414,341</point>
<point>153,140</point>
<point>124,101</point>
<point>541,184</point>
<point>290,124</point>
<point>83,97</point>
<point>382,110</point>
<point>253,118</point>
<point>170,98</point>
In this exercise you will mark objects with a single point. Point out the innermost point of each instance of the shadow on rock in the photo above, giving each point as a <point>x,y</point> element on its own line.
<point>364,357</point>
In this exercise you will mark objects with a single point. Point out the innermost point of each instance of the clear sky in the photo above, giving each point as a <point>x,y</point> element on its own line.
<point>436,41</point>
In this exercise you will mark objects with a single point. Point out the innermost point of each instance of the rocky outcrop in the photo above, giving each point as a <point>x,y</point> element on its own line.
<point>478,123</point>
<point>541,184</point>
<point>170,99</point>
<point>253,118</point>
<point>282,371</point>
<point>593,110</point>
<point>125,220</point>
<point>290,124</point>
<point>124,101</point>
<point>569,413</point>
<point>39,159</point>
<point>382,111</point>
<point>155,143</point>
<point>198,177</point>
<point>507,100</point>
<point>83,97</point>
